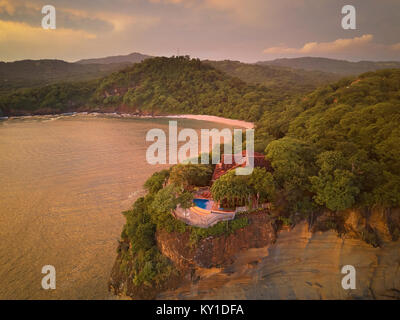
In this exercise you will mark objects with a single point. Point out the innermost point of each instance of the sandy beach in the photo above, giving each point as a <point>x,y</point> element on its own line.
<point>215,119</point>
<point>230,122</point>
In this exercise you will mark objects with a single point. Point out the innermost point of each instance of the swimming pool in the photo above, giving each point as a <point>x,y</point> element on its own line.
<point>203,203</point>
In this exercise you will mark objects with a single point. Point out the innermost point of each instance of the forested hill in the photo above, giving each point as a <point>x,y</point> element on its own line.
<point>36,73</point>
<point>184,85</point>
<point>340,67</point>
<point>338,147</point>
<point>281,79</point>
<point>157,85</point>
<point>33,73</point>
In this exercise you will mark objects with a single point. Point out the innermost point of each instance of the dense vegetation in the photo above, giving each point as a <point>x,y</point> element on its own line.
<point>55,98</point>
<point>166,190</point>
<point>183,85</point>
<point>38,73</point>
<point>338,147</point>
<point>333,149</point>
<point>284,81</point>
<point>169,85</point>
<point>238,190</point>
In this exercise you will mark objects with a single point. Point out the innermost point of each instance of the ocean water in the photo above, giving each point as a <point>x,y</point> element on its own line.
<point>63,185</point>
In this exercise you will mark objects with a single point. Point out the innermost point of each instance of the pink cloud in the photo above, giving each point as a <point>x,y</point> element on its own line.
<point>337,46</point>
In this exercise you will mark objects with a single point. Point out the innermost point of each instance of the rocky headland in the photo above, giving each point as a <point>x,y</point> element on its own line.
<point>267,260</point>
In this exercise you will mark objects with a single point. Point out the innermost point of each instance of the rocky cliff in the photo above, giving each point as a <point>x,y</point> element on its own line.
<point>217,251</point>
<point>300,262</point>
<point>189,257</point>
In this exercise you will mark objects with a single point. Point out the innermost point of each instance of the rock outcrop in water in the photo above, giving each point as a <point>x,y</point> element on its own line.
<point>303,262</point>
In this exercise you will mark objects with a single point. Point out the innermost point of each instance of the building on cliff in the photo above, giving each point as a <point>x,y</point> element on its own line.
<point>206,212</point>
<point>228,163</point>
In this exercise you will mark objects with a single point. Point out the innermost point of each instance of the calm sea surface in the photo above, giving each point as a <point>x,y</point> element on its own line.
<point>63,185</point>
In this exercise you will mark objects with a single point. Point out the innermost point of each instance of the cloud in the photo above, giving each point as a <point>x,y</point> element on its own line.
<point>81,30</point>
<point>171,1</point>
<point>215,29</point>
<point>14,31</point>
<point>12,6</point>
<point>7,6</point>
<point>337,46</point>
<point>395,47</point>
<point>14,40</point>
<point>249,12</point>
<point>77,16</point>
<point>119,22</point>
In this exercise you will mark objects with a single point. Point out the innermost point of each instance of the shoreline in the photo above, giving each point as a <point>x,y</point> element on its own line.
<point>216,119</point>
<point>208,118</point>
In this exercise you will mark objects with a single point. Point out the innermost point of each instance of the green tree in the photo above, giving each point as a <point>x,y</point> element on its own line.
<point>263,185</point>
<point>188,175</point>
<point>293,163</point>
<point>185,200</point>
<point>231,188</point>
<point>165,202</point>
<point>157,181</point>
<point>335,187</point>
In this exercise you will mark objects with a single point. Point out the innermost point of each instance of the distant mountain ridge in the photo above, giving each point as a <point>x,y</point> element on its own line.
<point>134,57</point>
<point>33,73</point>
<point>48,69</point>
<point>160,85</point>
<point>342,67</point>
<point>279,78</point>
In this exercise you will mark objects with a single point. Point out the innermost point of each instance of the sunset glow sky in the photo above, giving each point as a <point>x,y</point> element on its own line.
<point>246,30</point>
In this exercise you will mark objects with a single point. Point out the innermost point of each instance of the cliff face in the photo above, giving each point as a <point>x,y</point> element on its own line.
<point>303,265</point>
<point>216,251</point>
<point>297,263</point>
<point>187,258</point>
<point>306,264</point>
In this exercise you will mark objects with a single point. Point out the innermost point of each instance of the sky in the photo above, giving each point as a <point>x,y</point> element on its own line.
<point>245,30</point>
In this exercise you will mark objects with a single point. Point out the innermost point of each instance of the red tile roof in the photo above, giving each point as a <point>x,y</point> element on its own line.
<point>222,167</point>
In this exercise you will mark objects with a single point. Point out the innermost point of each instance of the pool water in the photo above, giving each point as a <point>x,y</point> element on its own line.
<point>203,203</point>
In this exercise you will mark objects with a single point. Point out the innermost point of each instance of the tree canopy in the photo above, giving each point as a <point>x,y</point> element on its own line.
<point>341,142</point>
<point>233,190</point>
<point>166,85</point>
<point>191,175</point>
